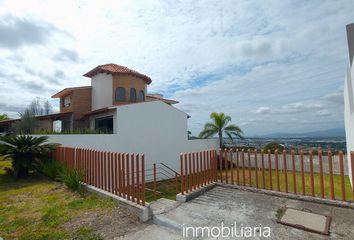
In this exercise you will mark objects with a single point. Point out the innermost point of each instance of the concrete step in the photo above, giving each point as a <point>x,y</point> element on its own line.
<point>163,205</point>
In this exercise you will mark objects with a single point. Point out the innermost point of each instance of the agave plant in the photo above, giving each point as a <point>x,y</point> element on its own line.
<point>219,125</point>
<point>25,152</point>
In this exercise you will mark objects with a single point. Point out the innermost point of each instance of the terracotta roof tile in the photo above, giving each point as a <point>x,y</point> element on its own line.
<point>116,69</point>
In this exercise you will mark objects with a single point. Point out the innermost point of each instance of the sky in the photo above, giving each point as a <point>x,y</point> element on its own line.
<point>273,66</point>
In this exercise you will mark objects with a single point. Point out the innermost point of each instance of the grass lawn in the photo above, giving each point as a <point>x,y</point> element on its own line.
<point>37,208</point>
<point>164,189</point>
<point>336,180</point>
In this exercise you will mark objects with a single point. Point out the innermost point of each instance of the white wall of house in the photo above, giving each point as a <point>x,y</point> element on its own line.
<point>349,114</point>
<point>101,91</point>
<point>154,128</point>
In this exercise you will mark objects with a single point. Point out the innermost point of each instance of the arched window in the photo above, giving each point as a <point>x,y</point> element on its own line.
<point>132,95</point>
<point>120,94</point>
<point>142,96</point>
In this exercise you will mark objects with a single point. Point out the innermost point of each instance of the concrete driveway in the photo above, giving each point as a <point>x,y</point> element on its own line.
<point>247,209</point>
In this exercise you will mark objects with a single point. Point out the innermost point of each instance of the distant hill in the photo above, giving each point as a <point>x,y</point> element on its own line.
<point>335,132</point>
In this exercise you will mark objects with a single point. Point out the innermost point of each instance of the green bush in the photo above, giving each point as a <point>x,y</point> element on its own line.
<point>52,169</point>
<point>73,178</point>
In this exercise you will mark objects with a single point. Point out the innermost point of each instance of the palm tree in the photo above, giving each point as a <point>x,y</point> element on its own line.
<point>219,126</point>
<point>26,152</point>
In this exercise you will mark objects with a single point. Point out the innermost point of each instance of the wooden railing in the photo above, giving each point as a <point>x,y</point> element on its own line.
<point>121,174</point>
<point>320,175</point>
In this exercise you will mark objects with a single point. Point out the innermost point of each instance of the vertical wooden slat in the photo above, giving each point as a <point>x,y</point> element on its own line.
<point>102,168</point>
<point>208,166</point>
<point>243,168</point>
<point>232,166</point>
<point>193,174</point>
<point>123,176</point>
<point>205,169</point>
<point>132,159</point>
<point>119,175</point>
<point>312,183</point>
<point>321,172</point>
<point>293,170</point>
<point>249,168</point>
<point>237,168</point>
<point>186,182</point>
<point>226,166</point>
<point>220,165</point>
<point>190,172</point>
<point>256,166</point>
<point>138,179</point>
<point>154,169</point>
<point>302,172</point>
<point>270,170</point>
<point>105,170</point>
<point>182,176</point>
<point>202,173</point>
<point>176,183</point>
<point>143,179</point>
<point>341,170</point>
<point>277,169</point>
<point>95,162</point>
<point>198,170</point>
<point>285,171</point>
<point>113,182</point>
<point>128,175</point>
<point>211,166</point>
<point>262,162</point>
<point>352,171</point>
<point>116,175</point>
<point>330,169</point>
<point>108,176</point>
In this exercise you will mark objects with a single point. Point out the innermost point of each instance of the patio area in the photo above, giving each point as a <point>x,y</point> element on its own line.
<point>247,209</point>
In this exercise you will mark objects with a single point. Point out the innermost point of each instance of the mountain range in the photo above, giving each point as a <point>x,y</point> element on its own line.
<point>334,132</point>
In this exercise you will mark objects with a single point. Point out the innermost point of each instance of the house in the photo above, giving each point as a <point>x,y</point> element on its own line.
<point>94,106</point>
<point>349,98</point>
<point>117,103</point>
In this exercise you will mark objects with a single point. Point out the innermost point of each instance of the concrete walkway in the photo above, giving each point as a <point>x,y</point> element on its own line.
<point>247,209</point>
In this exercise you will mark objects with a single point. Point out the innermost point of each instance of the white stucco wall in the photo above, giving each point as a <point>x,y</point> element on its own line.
<point>349,113</point>
<point>101,91</point>
<point>154,128</point>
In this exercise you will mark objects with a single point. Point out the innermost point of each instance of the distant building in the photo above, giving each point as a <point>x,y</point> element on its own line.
<point>349,97</point>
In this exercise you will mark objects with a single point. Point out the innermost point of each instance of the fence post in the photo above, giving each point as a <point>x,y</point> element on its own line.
<point>270,170</point>
<point>123,176</point>
<point>243,168</point>
<point>226,166</point>
<point>302,172</point>
<point>198,169</point>
<point>232,166</point>
<point>256,166</point>
<point>277,169</point>
<point>132,158</point>
<point>176,181</point>
<point>220,164</point>
<point>321,172</point>
<point>237,168</point>
<point>263,176</point>
<point>312,183</point>
<point>190,172</point>
<point>330,168</point>
<point>128,176</point>
<point>138,179</point>
<point>249,168</point>
<point>294,170</point>
<point>143,179</point>
<point>341,169</point>
<point>182,177</point>
<point>154,169</point>
<point>352,168</point>
<point>186,182</point>
<point>285,171</point>
<point>193,175</point>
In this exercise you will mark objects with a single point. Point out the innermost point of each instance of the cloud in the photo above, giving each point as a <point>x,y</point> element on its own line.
<point>17,32</point>
<point>263,110</point>
<point>323,113</point>
<point>67,55</point>
<point>292,108</point>
<point>336,98</point>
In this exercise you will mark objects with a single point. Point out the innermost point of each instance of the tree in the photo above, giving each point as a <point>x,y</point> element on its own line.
<point>35,107</point>
<point>272,146</point>
<point>27,123</point>
<point>4,117</point>
<point>26,152</point>
<point>47,108</point>
<point>219,125</point>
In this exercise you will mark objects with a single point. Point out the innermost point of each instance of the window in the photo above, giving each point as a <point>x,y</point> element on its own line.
<point>132,95</point>
<point>104,125</point>
<point>67,101</point>
<point>142,96</point>
<point>120,94</point>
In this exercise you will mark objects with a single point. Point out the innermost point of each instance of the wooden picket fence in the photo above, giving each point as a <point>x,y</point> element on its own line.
<point>282,172</point>
<point>197,170</point>
<point>121,174</point>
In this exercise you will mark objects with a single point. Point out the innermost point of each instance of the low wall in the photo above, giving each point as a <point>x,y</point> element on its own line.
<point>165,151</point>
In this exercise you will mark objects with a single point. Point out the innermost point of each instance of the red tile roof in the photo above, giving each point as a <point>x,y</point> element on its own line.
<point>116,69</point>
<point>156,97</point>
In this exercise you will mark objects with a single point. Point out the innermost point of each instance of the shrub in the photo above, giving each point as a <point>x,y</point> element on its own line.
<point>52,169</point>
<point>273,146</point>
<point>26,152</point>
<point>73,178</point>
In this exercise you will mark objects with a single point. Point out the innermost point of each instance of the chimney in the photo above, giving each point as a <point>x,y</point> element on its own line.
<point>350,37</point>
